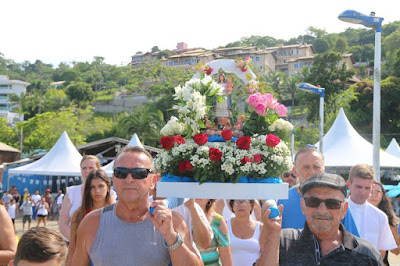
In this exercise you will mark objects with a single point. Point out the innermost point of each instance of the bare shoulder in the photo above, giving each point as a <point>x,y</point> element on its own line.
<point>87,229</point>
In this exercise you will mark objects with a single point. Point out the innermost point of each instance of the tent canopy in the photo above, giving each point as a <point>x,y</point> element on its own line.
<point>133,142</point>
<point>62,160</point>
<point>344,147</point>
<point>393,148</point>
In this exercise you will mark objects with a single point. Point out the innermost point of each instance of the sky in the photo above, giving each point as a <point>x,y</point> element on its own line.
<point>55,31</point>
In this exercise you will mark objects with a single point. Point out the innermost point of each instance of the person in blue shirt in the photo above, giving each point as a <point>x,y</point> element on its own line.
<point>307,163</point>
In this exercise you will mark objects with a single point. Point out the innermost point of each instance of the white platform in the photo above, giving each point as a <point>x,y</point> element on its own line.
<point>260,191</point>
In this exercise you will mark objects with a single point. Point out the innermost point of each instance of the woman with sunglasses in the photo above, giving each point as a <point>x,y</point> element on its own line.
<point>73,198</point>
<point>96,195</point>
<point>245,233</point>
<point>380,199</point>
<point>219,252</point>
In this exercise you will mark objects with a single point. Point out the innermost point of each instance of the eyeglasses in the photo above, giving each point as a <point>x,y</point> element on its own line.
<point>332,204</point>
<point>287,175</point>
<point>241,202</point>
<point>136,173</point>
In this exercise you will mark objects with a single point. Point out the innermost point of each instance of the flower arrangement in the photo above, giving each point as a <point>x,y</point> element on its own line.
<point>264,111</point>
<point>195,99</point>
<point>258,154</point>
<point>257,157</point>
<point>243,64</point>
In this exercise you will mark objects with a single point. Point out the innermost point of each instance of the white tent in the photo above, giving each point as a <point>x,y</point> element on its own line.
<point>62,160</point>
<point>133,142</point>
<point>344,147</point>
<point>393,148</point>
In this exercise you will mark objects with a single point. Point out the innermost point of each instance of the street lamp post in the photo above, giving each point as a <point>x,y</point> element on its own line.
<point>321,91</point>
<point>375,23</point>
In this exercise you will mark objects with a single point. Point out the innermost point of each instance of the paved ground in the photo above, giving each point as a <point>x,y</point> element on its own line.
<point>393,260</point>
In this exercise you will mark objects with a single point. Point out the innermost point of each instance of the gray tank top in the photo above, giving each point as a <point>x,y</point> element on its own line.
<point>121,243</point>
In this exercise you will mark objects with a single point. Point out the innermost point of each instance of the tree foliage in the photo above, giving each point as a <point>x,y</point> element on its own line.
<point>80,93</point>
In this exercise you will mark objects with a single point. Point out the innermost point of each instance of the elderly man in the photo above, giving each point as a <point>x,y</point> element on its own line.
<point>126,233</point>
<point>324,240</point>
<point>372,223</point>
<point>307,162</point>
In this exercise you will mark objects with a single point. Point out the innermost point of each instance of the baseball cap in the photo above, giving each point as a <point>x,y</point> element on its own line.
<point>324,180</point>
<point>48,190</point>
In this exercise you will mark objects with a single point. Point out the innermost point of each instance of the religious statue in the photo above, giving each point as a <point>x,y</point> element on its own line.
<point>223,109</point>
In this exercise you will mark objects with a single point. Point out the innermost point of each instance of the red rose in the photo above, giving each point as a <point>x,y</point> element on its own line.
<point>215,154</point>
<point>246,160</point>
<point>272,140</point>
<point>167,142</point>
<point>243,142</point>
<point>257,157</point>
<point>184,165</point>
<point>244,69</point>
<point>209,70</point>
<point>200,139</point>
<point>179,139</point>
<point>226,134</point>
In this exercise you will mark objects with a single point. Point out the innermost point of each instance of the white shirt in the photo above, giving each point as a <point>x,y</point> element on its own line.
<point>373,225</point>
<point>36,199</point>
<point>60,200</point>
<point>11,210</point>
<point>184,211</point>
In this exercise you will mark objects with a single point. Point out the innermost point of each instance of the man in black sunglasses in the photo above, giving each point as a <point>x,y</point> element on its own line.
<point>126,233</point>
<point>307,163</point>
<point>324,240</point>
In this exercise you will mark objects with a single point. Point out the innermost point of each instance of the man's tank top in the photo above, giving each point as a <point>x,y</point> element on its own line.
<point>121,243</point>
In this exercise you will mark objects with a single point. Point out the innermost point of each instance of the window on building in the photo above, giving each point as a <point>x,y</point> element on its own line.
<point>257,59</point>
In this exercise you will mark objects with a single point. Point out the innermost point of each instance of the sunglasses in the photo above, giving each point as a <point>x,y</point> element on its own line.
<point>286,175</point>
<point>136,173</point>
<point>241,202</point>
<point>332,204</point>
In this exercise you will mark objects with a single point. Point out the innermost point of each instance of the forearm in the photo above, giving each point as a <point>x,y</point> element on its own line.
<point>225,255</point>
<point>6,256</point>
<point>184,256</point>
<point>201,232</point>
<point>270,254</point>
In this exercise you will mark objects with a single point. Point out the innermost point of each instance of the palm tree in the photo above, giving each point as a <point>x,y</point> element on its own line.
<point>290,85</point>
<point>146,121</point>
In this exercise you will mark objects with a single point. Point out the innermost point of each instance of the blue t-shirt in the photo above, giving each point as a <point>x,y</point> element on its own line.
<point>293,217</point>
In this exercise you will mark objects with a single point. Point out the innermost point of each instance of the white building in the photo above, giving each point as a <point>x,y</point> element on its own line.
<point>8,87</point>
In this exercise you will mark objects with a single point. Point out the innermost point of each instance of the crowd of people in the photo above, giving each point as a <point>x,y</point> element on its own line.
<point>321,222</point>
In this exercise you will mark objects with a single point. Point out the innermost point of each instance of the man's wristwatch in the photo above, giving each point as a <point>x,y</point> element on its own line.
<point>177,244</point>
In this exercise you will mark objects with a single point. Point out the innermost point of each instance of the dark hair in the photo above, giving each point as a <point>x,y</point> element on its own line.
<point>91,157</point>
<point>87,201</point>
<point>231,203</point>
<point>306,150</point>
<point>136,149</point>
<point>363,171</point>
<point>386,206</point>
<point>40,244</point>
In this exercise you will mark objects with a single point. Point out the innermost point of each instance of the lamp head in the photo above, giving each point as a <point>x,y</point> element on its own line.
<point>356,17</point>
<point>311,88</point>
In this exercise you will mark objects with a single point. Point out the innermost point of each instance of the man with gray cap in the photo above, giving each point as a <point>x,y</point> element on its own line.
<point>324,240</point>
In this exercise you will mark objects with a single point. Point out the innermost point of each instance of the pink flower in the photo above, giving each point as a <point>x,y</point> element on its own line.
<point>247,58</point>
<point>250,90</point>
<point>260,108</point>
<point>253,99</point>
<point>270,101</point>
<point>281,110</point>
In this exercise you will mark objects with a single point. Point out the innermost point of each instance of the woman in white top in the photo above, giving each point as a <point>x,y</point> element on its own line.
<point>246,243</point>
<point>12,211</point>
<point>73,198</point>
<point>42,211</point>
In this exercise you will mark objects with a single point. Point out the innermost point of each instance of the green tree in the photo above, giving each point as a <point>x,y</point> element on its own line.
<point>8,135</point>
<point>290,85</point>
<point>155,49</point>
<point>327,72</point>
<point>341,45</point>
<point>80,93</point>
<point>54,99</point>
<point>396,64</point>
<point>390,46</point>
<point>275,80</point>
<point>321,45</point>
<point>146,121</point>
